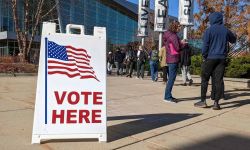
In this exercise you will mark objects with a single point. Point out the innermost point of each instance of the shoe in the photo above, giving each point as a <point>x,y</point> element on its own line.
<point>184,84</point>
<point>200,104</point>
<point>137,77</point>
<point>169,101</point>
<point>172,100</point>
<point>190,82</point>
<point>216,106</point>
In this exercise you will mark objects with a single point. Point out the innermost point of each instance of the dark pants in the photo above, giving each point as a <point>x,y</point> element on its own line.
<point>213,89</point>
<point>171,78</point>
<point>130,68</point>
<point>118,67</point>
<point>165,73</point>
<point>208,68</point>
<point>140,69</point>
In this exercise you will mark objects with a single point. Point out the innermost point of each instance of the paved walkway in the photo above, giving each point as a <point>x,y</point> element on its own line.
<point>138,119</point>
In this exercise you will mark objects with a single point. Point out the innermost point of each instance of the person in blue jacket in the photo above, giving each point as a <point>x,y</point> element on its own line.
<point>214,53</point>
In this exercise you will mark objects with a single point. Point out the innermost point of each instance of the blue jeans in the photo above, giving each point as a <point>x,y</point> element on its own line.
<point>154,70</point>
<point>172,68</point>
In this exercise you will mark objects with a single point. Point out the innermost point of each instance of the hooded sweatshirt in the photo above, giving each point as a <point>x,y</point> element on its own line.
<point>216,38</point>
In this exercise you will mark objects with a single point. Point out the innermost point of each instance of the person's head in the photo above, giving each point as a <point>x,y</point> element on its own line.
<point>154,47</point>
<point>174,26</point>
<point>215,18</point>
<point>140,48</point>
<point>110,52</point>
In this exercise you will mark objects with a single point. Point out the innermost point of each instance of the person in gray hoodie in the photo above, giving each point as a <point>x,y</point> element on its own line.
<point>214,53</point>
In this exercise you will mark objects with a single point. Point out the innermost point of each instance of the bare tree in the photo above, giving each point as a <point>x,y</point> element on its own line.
<point>31,20</point>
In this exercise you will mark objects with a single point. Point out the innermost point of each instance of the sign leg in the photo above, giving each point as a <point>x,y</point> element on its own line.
<point>103,138</point>
<point>36,139</point>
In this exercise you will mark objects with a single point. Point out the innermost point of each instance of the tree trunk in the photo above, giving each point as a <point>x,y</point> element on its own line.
<point>37,20</point>
<point>17,28</point>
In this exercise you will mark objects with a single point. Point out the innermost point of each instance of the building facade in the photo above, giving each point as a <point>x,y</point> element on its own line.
<point>118,16</point>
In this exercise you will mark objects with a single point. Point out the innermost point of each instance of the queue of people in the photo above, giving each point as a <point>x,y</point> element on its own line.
<point>176,53</point>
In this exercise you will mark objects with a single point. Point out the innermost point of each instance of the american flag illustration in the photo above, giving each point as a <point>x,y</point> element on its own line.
<point>70,61</point>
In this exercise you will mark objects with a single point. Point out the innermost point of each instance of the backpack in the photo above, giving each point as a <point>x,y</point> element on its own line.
<point>154,55</point>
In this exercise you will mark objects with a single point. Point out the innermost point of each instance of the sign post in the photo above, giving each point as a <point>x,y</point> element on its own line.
<point>71,85</point>
<point>161,13</point>
<point>143,14</point>
<point>186,17</point>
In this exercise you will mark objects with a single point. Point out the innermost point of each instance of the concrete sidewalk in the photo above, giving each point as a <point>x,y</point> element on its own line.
<point>138,119</point>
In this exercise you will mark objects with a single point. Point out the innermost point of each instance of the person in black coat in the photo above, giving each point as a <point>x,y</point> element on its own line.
<point>118,61</point>
<point>130,61</point>
<point>141,60</point>
<point>185,64</point>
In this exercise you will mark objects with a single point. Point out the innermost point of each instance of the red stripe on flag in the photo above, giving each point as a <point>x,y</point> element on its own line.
<point>72,52</point>
<point>69,69</point>
<point>79,58</point>
<point>77,49</point>
<point>65,73</point>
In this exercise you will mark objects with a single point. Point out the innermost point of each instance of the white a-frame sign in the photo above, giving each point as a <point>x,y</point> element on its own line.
<point>71,85</point>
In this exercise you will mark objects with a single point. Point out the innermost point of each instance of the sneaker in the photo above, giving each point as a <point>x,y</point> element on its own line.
<point>200,104</point>
<point>216,106</point>
<point>190,82</point>
<point>172,100</point>
<point>169,101</point>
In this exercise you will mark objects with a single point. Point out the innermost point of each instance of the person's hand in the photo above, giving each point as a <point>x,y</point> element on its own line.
<point>184,41</point>
<point>203,59</point>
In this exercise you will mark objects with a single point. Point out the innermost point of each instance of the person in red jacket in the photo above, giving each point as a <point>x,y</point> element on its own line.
<point>173,47</point>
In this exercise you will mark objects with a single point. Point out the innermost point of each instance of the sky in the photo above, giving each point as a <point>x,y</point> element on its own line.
<point>173,6</point>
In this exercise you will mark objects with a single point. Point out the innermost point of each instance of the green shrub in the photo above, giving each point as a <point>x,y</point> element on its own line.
<point>196,62</point>
<point>237,67</point>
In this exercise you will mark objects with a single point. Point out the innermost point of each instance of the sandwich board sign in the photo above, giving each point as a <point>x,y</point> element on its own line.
<point>71,85</point>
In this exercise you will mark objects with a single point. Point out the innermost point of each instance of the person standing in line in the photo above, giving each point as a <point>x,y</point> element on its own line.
<point>131,59</point>
<point>110,61</point>
<point>141,60</point>
<point>214,53</point>
<point>124,62</point>
<point>118,61</point>
<point>173,44</point>
<point>153,62</point>
<point>163,63</point>
<point>185,64</point>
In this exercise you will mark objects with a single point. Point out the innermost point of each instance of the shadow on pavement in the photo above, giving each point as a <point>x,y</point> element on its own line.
<point>233,104</point>
<point>142,123</point>
<point>223,142</point>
